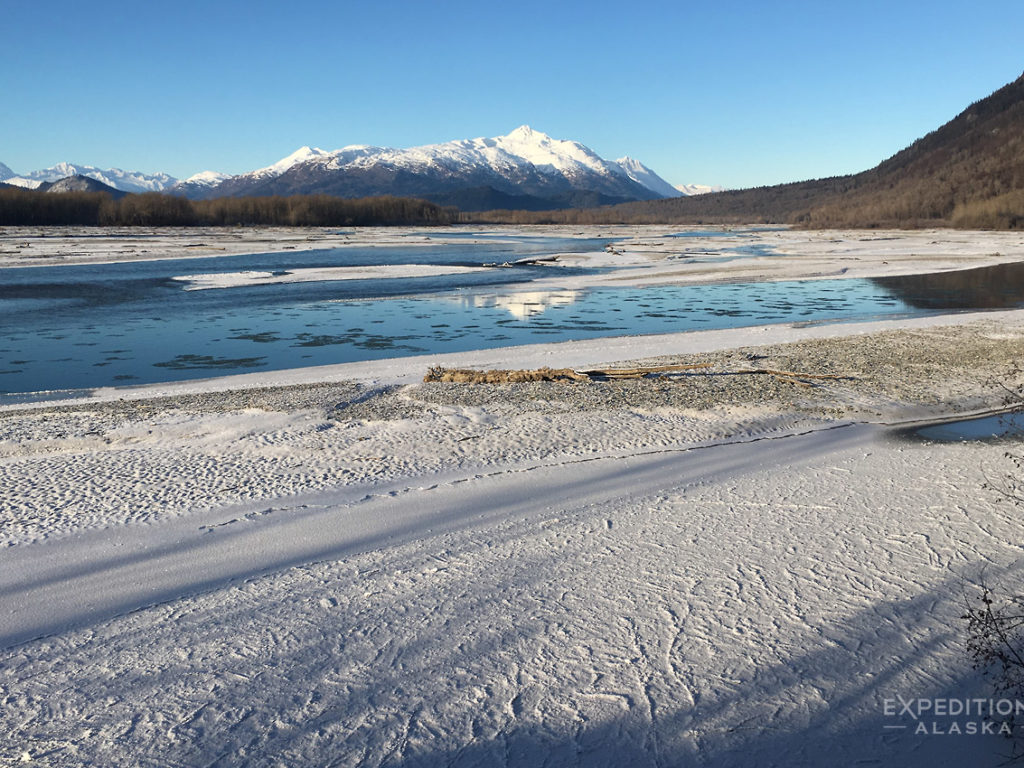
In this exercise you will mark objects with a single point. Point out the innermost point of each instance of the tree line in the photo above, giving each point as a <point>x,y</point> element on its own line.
<point>23,207</point>
<point>781,204</point>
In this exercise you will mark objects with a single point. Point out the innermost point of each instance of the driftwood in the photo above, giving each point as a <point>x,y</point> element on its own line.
<point>791,376</point>
<point>470,376</point>
<point>640,373</point>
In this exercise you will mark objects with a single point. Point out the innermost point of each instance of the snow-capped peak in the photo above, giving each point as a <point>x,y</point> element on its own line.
<point>699,189</point>
<point>641,174</point>
<point>206,178</point>
<point>301,155</point>
<point>6,173</point>
<point>526,133</point>
<point>65,169</point>
<point>543,151</point>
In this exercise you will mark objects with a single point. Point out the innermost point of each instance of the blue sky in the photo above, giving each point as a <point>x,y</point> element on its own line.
<point>726,92</point>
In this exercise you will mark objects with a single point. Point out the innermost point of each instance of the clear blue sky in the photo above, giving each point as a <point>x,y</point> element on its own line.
<point>725,92</point>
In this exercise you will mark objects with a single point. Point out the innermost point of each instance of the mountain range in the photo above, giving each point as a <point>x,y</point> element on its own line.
<point>126,181</point>
<point>525,169</point>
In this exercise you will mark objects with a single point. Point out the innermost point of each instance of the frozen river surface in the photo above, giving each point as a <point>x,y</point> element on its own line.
<point>74,327</point>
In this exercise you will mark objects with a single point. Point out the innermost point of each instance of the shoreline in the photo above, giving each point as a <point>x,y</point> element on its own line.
<point>641,257</point>
<point>642,254</point>
<point>736,568</point>
<point>406,550</point>
<point>589,353</point>
<point>307,430</point>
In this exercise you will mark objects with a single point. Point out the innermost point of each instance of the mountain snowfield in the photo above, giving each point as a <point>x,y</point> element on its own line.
<point>523,162</point>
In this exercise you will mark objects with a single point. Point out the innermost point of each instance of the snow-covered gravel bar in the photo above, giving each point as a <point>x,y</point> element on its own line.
<point>641,255</point>
<point>347,566</point>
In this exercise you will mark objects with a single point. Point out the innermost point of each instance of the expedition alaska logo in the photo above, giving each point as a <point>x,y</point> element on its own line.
<point>952,717</point>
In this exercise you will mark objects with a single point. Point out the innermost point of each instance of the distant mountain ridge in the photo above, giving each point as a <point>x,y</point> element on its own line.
<point>526,168</point>
<point>126,181</point>
<point>688,190</point>
<point>197,185</point>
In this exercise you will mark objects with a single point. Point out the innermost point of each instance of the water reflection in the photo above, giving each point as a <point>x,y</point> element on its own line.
<point>997,287</point>
<point>62,334</point>
<point>523,305</point>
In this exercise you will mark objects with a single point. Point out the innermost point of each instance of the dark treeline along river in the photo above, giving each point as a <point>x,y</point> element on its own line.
<point>80,327</point>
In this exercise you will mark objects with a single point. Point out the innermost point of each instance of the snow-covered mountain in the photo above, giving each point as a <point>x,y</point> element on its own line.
<point>238,185</point>
<point>698,189</point>
<point>525,168</point>
<point>80,184</point>
<point>206,178</point>
<point>126,181</point>
<point>299,156</point>
<point>198,184</point>
<point>641,174</point>
<point>21,181</point>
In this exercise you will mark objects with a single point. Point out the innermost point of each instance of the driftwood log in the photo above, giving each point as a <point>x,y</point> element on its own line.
<point>470,376</point>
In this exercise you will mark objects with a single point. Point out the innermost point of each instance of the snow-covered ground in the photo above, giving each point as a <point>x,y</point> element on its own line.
<point>347,566</point>
<point>641,255</point>
<point>200,282</point>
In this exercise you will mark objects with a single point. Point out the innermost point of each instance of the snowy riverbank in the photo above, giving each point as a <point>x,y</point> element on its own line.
<point>344,565</point>
<point>641,255</point>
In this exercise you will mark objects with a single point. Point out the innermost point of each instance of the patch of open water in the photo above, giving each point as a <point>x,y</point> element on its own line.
<point>1000,426</point>
<point>100,325</point>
